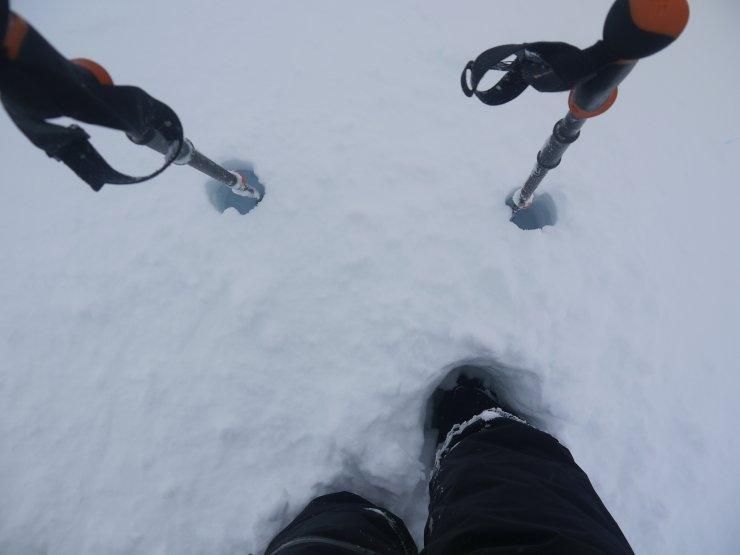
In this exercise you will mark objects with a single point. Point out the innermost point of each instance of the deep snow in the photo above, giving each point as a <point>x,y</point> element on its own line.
<point>177,380</point>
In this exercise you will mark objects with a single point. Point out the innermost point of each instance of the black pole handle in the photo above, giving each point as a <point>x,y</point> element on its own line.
<point>633,29</point>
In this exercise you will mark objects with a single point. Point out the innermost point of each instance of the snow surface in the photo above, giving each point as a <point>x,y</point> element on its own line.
<point>177,380</point>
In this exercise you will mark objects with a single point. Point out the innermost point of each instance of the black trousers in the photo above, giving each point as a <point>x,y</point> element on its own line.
<point>503,488</point>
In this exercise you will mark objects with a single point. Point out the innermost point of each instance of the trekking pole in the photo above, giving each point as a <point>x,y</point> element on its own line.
<point>188,155</point>
<point>633,29</point>
<point>38,84</point>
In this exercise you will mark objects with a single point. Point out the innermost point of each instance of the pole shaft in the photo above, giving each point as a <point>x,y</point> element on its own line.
<point>588,99</point>
<point>565,133</point>
<point>190,156</point>
<point>210,168</point>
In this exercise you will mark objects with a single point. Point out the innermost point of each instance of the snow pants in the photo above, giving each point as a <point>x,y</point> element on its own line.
<point>502,488</point>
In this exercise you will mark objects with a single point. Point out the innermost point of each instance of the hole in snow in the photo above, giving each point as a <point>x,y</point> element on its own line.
<point>543,212</point>
<point>221,197</point>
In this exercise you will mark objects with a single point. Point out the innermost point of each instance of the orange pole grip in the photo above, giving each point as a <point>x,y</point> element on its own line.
<point>95,69</point>
<point>15,34</point>
<point>664,17</point>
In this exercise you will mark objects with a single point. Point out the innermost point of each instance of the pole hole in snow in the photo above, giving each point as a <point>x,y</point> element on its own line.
<point>543,212</point>
<point>221,197</point>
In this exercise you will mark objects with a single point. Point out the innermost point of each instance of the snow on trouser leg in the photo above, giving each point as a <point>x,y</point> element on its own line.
<point>512,488</point>
<point>342,523</point>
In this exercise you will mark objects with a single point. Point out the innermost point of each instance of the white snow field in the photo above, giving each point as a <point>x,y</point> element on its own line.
<point>178,380</point>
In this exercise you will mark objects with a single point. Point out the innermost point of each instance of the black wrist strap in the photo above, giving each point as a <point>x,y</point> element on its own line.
<point>546,66</point>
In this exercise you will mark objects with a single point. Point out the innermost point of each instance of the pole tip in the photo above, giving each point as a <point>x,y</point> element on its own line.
<point>534,213</point>
<point>243,188</point>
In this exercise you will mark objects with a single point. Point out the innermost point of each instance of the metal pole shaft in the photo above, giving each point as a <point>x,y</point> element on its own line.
<point>209,167</point>
<point>188,155</point>
<point>234,180</point>
<point>565,133</point>
<point>588,99</point>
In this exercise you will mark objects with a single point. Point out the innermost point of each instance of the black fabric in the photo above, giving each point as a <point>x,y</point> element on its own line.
<point>504,488</point>
<point>546,66</point>
<point>511,85</point>
<point>41,84</point>
<point>343,523</point>
<point>510,488</point>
